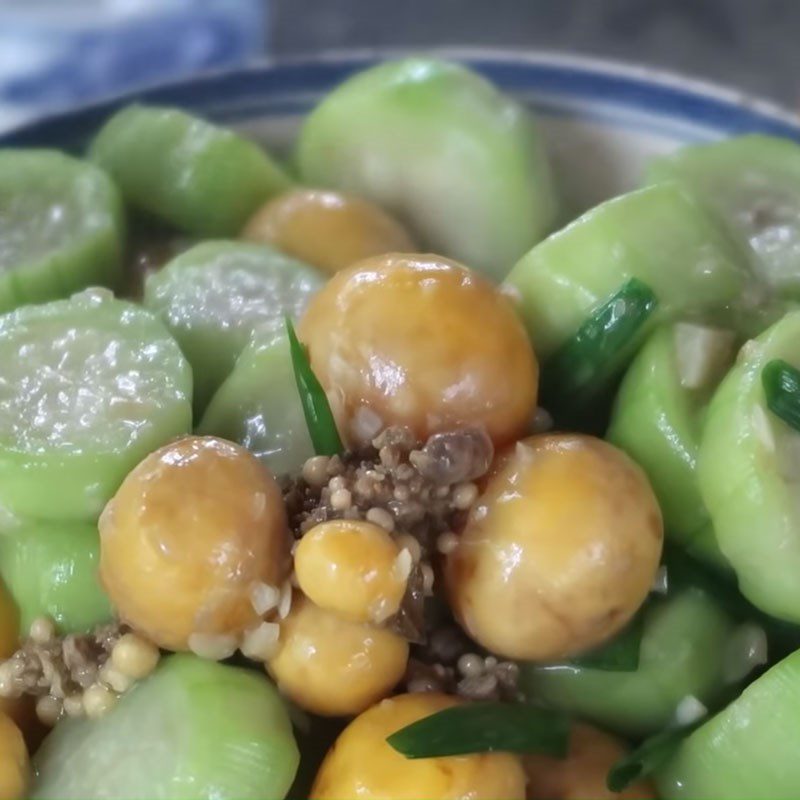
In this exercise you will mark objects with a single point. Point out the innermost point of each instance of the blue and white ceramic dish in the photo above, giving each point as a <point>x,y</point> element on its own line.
<point>604,120</point>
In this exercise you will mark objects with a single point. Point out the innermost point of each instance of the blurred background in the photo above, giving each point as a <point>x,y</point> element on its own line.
<point>59,53</point>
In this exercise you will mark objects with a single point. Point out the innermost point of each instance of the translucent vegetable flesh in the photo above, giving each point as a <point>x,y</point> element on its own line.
<point>748,473</point>
<point>658,235</point>
<point>186,171</point>
<point>682,654</point>
<point>752,183</point>
<point>657,421</point>
<point>258,406</point>
<point>61,227</point>
<point>51,570</point>
<point>194,729</point>
<point>217,295</point>
<point>436,144</point>
<point>747,750</point>
<point>88,386</point>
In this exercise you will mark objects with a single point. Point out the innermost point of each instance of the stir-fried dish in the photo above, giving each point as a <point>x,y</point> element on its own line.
<point>366,473</point>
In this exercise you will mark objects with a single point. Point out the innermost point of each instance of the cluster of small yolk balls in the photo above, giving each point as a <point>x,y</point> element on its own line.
<point>558,552</point>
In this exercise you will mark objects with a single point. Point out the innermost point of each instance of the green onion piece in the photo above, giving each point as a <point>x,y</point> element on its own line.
<point>585,366</point>
<point>620,654</point>
<point>646,758</point>
<point>485,728</point>
<point>317,410</point>
<point>781,382</point>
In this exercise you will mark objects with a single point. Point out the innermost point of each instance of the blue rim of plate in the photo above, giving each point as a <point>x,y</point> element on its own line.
<point>558,83</point>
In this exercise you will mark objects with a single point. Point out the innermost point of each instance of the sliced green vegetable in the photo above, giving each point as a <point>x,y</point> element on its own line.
<point>747,750</point>
<point>642,762</point>
<point>657,235</point>
<point>259,406</point>
<point>201,178</point>
<point>781,382</point>
<point>621,654</point>
<point>61,227</point>
<point>51,570</point>
<point>217,295</point>
<point>748,472</point>
<point>752,185</point>
<point>195,729</point>
<point>317,410</point>
<point>683,653</point>
<point>588,362</point>
<point>484,728</point>
<point>88,387</point>
<point>657,419</point>
<point>462,164</point>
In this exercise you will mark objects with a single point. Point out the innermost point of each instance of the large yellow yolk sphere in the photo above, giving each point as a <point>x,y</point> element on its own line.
<point>327,229</point>
<point>190,532</point>
<point>420,341</point>
<point>582,773</point>
<point>14,766</point>
<point>334,667</point>
<point>560,550</point>
<point>351,567</point>
<point>361,764</point>
<point>9,623</point>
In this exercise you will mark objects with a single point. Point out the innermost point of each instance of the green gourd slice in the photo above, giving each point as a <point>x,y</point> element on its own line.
<point>88,387</point>
<point>461,163</point>
<point>61,227</point>
<point>657,420</point>
<point>217,295</point>
<point>746,751</point>
<point>750,479</point>
<point>682,654</point>
<point>752,184</point>
<point>259,407</point>
<point>194,730</point>
<point>201,178</point>
<point>50,569</point>
<point>658,235</point>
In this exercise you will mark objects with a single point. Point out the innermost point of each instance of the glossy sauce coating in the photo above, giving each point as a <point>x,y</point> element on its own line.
<point>559,551</point>
<point>327,229</point>
<point>333,667</point>
<point>186,537</point>
<point>361,764</point>
<point>421,341</point>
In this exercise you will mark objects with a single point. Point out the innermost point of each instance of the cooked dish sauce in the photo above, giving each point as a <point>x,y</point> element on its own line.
<point>364,475</point>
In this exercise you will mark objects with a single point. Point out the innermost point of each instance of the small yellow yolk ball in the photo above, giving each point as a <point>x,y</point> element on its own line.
<point>353,568</point>
<point>14,765</point>
<point>420,341</point>
<point>331,666</point>
<point>326,229</point>
<point>560,550</point>
<point>361,763</point>
<point>9,623</point>
<point>189,533</point>
<point>582,773</point>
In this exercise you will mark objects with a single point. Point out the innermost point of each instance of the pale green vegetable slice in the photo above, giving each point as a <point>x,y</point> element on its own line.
<point>194,730</point>
<point>88,387</point>
<point>186,171</point>
<point>682,655</point>
<point>461,163</point>
<point>216,296</point>
<point>752,183</point>
<point>746,751</point>
<point>657,420</point>
<point>61,227</point>
<point>749,476</point>
<point>658,235</point>
<point>259,407</point>
<point>51,570</point>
